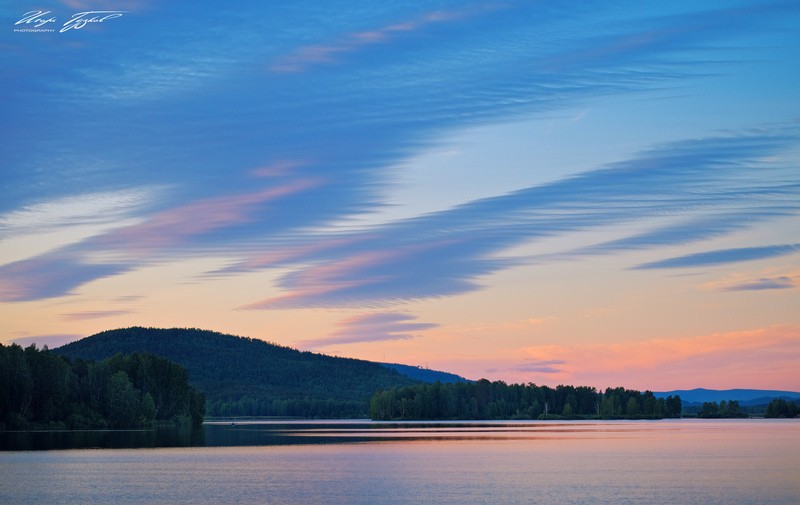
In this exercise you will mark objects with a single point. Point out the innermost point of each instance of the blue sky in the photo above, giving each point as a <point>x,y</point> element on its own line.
<point>499,189</point>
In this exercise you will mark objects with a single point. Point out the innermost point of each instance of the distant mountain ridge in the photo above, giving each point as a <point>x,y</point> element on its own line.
<point>425,374</point>
<point>745,397</point>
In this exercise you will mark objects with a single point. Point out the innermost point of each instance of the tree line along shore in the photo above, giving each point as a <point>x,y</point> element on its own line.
<point>42,389</point>
<point>497,400</point>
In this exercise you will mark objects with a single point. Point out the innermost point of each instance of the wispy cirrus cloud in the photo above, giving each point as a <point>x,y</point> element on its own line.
<point>782,282</point>
<point>375,327</point>
<point>316,54</point>
<point>185,223</point>
<point>486,68</point>
<point>176,230</point>
<point>548,366</point>
<point>488,65</point>
<point>51,224</point>
<point>93,314</point>
<point>447,252</point>
<point>723,256</point>
<point>51,275</point>
<point>767,281</point>
<point>92,208</point>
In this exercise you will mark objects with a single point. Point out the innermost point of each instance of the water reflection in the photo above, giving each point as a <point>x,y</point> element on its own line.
<point>101,439</point>
<point>275,433</point>
<point>691,462</point>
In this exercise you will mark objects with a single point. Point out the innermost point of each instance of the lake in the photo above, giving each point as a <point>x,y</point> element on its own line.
<point>350,462</point>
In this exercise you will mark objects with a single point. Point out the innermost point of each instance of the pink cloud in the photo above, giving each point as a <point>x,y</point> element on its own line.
<point>93,314</point>
<point>377,327</point>
<point>287,254</point>
<point>313,283</point>
<point>310,55</point>
<point>106,4</point>
<point>115,252</point>
<point>353,278</point>
<point>171,226</point>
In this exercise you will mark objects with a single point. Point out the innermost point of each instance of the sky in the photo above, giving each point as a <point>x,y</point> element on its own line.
<point>588,193</point>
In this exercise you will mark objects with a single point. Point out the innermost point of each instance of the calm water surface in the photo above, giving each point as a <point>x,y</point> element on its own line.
<point>661,462</point>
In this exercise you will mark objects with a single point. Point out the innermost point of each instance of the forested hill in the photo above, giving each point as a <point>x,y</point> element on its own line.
<point>244,376</point>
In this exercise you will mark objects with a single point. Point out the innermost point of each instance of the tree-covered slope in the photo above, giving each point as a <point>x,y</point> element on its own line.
<point>40,389</point>
<point>244,376</point>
